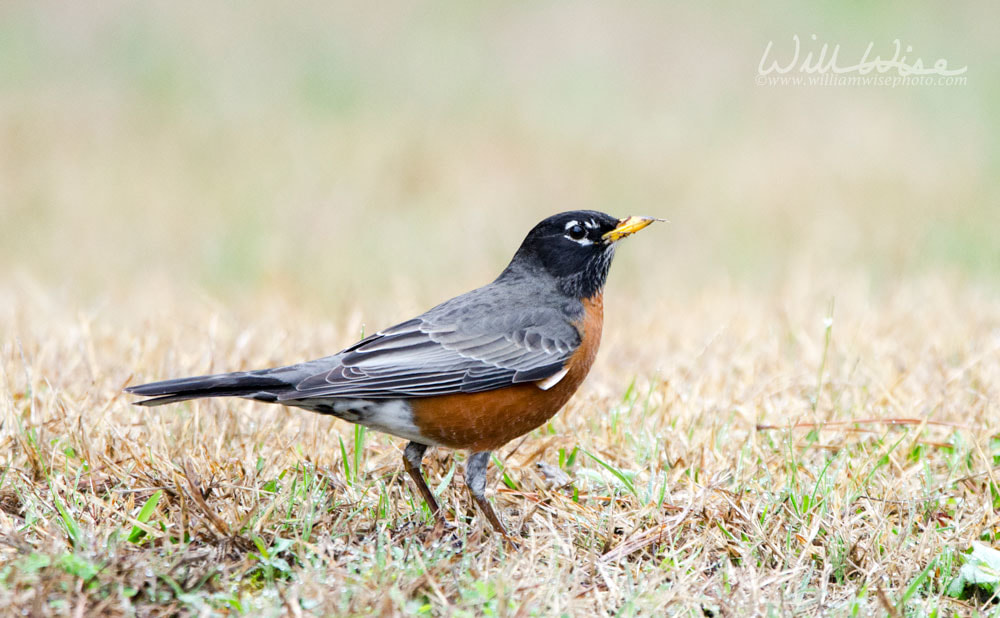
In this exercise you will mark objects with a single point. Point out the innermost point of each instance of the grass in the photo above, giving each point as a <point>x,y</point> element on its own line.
<point>768,460</point>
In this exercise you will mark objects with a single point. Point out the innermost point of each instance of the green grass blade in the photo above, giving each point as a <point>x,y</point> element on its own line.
<point>917,582</point>
<point>359,447</point>
<point>70,525</point>
<point>144,514</point>
<point>347,464</point>
<point>618,474</point>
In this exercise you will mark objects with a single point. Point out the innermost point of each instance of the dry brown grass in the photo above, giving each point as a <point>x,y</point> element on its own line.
<point>727,506</point>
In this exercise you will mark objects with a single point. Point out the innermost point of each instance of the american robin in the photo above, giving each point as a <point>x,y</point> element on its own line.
<point>472,373</point>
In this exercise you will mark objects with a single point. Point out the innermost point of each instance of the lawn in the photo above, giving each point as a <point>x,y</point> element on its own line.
<point>795,405</point>
<point>785,453</point>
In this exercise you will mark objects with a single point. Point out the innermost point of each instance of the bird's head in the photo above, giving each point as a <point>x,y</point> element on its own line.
<point>576,248</point>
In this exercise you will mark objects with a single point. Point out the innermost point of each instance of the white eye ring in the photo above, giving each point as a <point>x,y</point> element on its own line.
<point>576,232</point>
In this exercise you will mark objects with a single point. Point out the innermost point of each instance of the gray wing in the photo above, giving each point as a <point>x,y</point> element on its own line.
<point>432,355</point>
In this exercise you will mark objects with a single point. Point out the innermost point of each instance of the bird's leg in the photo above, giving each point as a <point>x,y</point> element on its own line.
<point>412,456</point>
<point>475,479</point>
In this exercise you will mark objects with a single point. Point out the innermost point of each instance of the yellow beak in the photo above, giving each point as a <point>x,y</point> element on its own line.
<point>627,227</point>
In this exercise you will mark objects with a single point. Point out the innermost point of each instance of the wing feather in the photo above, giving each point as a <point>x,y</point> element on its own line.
<point>425,357</point>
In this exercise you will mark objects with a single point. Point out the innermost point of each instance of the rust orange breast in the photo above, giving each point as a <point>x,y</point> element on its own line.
<point>488,420</point>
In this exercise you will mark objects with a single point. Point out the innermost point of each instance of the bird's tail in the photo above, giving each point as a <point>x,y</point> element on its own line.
<point>257,385</point>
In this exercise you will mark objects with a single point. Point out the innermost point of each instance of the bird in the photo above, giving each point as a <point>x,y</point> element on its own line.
<point>472,373</point>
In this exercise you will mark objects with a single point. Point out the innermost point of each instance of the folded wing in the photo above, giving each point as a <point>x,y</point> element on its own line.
<point>427,356</point>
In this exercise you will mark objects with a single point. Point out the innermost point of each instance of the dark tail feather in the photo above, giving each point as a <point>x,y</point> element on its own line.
<point>241,384</point>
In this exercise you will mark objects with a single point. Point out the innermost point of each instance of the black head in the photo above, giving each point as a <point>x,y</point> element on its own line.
<point>576,248</point>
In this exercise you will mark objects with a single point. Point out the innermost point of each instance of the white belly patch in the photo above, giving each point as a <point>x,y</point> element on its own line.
<point>391,416</point>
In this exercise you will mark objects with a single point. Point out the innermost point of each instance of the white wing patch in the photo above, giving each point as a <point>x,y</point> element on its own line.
<point>552,380</point>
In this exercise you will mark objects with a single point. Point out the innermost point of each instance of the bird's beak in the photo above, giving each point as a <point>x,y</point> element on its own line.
<point>627,227</point>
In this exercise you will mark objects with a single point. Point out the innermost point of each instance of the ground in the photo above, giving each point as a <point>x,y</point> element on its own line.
<point>736,452</point>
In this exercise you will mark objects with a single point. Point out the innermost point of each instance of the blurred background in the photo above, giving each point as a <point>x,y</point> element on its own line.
<point>328,152</point>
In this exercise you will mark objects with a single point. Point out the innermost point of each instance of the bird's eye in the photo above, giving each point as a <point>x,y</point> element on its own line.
<point>577,232</point>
